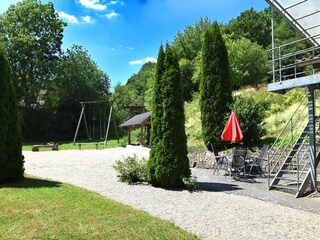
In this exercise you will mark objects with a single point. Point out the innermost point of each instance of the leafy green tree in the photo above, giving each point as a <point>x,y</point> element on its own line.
<point>188,46</point>
<point>215,86</point>
<point>251,25</point>
<point>11,159</point>
<point>78,79</point>
<point>139,82</point>
<point>32,33</point>
<point>169,163</point>
<point>248,62</point>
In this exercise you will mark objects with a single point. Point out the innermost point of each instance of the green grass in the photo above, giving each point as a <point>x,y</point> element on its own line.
<point>84,145</point>
<point>41,209</point>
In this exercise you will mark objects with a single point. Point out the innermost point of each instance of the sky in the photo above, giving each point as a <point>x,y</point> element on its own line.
<point>121,35</point>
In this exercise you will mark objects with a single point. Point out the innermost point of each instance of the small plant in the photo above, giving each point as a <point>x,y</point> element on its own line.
<point>190,183</point>
<point>131,169</point>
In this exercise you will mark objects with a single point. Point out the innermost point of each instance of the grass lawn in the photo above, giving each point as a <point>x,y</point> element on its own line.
<point>42,209</point>
<point>84,145</point>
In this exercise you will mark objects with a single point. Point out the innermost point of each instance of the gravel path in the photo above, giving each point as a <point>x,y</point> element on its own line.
<point>224,209</point>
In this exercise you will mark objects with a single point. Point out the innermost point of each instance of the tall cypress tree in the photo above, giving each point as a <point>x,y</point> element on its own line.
<point>215,85</point>
<point>157,113</point>
<point>11,159</point>
<point>171,164</point>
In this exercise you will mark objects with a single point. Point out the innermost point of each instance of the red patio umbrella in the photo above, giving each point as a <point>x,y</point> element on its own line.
<point>232,131</point>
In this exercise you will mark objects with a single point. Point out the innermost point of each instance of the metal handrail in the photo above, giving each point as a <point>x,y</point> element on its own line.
<point>286,137</point>
<point>290,119</point>
<point>279,57</point>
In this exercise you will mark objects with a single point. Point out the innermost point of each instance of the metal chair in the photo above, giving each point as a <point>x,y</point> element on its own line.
<point>255,163</point>
<point>220,160</point>
<point>237,162</point>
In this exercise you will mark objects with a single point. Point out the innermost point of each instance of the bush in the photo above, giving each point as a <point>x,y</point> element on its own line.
<point>131,170</point>
<point>251,115</point>
<point>190,183</point>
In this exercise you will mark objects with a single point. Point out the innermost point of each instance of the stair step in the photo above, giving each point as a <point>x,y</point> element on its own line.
<point>290,187</point>
<point>293,171</point>
<point>292,179</point>
<point>294,164</point>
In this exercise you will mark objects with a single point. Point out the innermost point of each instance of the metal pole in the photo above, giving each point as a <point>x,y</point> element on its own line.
<point>272,39</point>
<point>75,135</point>
<point>107,132</point>
<point>312,148</point>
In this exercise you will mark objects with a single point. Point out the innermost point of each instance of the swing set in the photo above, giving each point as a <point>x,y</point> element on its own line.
<point>96,122</point>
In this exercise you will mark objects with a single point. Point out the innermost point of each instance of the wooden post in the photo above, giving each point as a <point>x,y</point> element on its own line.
<point>129,135</point>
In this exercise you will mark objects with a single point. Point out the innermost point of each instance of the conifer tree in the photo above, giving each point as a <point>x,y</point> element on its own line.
<point>215,86</point>
<point>11,159</point>
<point>157,113</point>
<point>171,163</point>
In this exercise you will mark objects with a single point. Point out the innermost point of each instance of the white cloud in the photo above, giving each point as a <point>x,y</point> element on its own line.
<point>112,15</point>
<point>116,2</point>
<point>93,4</point>
<point>142,61</point>
<point>87,19</point>
<point>70,18</point>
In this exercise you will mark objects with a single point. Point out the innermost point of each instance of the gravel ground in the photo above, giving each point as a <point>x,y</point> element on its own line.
<point>222,209</point>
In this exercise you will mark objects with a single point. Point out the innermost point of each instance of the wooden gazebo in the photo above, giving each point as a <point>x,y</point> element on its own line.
<point>142,121</point>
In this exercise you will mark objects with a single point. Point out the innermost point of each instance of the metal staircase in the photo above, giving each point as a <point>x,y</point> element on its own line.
<point>289,156</point>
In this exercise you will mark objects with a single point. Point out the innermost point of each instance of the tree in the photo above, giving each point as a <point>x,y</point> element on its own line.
<point>11,159</point>
<point>188,46</point>
<point>140,81</point>
<point>248,62</point>
<point>32,33</point>
<point>157,114</point>
<point>78,79</point>
<point>169,163</point>
<point>215,86</point>
<point>252,25</point>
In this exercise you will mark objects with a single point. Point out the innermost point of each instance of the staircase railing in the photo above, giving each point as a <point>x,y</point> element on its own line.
<point>287,137</point>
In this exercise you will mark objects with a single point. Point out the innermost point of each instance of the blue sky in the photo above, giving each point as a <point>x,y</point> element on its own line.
<point>121,35</point>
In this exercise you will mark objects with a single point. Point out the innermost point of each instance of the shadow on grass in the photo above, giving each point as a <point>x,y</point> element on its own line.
<point>30,182</point>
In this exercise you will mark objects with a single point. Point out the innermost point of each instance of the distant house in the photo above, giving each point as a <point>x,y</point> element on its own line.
<point>142,121</point>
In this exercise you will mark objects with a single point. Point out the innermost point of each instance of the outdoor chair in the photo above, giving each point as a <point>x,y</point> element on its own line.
<point>255,163</point>
<point>236,163</point>
<point>220,160</point>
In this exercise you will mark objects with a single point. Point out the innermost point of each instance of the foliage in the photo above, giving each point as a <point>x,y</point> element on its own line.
<point>131,170</point>
<point>188,47</point>
<point>11,159</point>
<point>188,43</point>
<point>141,81</point>
<point>190,183</point>
<point>251,115</point>
<point>157,113</point>
<point>79,79</point>
<point>251,25</point>
<point>32,33</point>
<point>42,209</point>
<point>215,86</point>
<point>248,62</point>
<point>169,163</point>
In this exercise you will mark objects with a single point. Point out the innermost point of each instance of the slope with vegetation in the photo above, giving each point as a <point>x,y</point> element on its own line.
<point>247,39</point>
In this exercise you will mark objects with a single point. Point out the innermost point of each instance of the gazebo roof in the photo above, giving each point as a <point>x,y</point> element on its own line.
<point>138,120</point>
